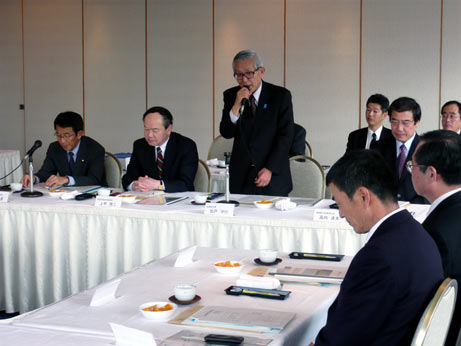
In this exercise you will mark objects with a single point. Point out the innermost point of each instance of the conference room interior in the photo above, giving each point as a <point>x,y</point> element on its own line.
<point>110,60</point>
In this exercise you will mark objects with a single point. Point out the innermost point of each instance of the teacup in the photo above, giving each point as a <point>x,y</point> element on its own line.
<point>184,292</point>
<point>104,192</point>
<point>16,186</point>
<point>267,255</point>
<point>200,198</point>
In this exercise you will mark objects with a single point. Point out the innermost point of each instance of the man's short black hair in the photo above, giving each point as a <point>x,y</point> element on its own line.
<point>452,102</point>
<point>365,168</point>
<point>165,113</point>
<point>69,119</point>
<point>441,149</point>
<point>403,104</point>
<point>381,100</point>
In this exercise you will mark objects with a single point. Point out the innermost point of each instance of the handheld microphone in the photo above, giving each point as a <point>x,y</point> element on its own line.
<point>245,102</point>
<point>37,144</point>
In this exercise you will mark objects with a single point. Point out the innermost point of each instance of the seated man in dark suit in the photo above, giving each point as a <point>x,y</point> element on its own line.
<point>368,137</point>
<point>74,159</point>
<point>436,175</point>
<point>162,160</point>
<point>393,277</point>
<point>405,115</point>
<point>262,130</point>
<point>451,120</point>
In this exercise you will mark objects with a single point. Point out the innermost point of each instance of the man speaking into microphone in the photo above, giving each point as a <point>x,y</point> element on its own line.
<point>259,116</point>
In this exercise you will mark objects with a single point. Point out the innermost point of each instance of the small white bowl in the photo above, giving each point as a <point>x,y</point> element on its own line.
<point>56,193</point>
<point>16,186</point>
<point>228,270</point>
<point>104,192</point>
<point>222,163</point>
<point>200,199</point>
<point>267,255</point>
<point>157,315</point>
<point>128,198</point>
<point>185,292</point>
<point>261,205</point>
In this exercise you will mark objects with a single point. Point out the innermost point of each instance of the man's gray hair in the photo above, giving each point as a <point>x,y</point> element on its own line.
<point>248,54</point>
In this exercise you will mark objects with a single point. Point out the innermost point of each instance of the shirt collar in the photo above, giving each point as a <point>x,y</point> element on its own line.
<point>163,147</point>
<point>378,132</point>
<point>376,225</point>
<point>441,198</point>
<point>75,150</point>
<point>257,92</point>
<point>407,144</point>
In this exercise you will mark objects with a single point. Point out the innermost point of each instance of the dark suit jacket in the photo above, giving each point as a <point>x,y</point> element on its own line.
<point>180,163</point>
<point>358,139</point>
<point>405,189</point>
<point>387,287</point>
<point>444,225</point>
<point>89,164</point>
<point>263,142</point>
<point>298,146</point>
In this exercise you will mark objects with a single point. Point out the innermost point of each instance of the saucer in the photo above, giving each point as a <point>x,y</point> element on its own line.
<point>185,302</point>
<point>195,203</point>
<point>258,261</point>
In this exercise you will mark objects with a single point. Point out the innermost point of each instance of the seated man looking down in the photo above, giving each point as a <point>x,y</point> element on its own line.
<point>393,277</point>
<point>74,159</point>
<point>162,160</point>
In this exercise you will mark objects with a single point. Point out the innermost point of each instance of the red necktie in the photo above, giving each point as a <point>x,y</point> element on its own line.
<point>159,162</point>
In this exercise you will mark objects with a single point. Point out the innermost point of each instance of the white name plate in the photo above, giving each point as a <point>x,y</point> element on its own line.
<point>221,209</point>
<point>326,215</point>
<point>4,196</point>
<point>108,202</point>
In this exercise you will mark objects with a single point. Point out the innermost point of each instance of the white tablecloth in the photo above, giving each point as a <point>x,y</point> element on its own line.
<point>9,160</point>
<point>51,248</point>
<point>155,282</point>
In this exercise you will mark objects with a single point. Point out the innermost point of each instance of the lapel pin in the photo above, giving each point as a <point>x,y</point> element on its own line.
<point>265,105</point>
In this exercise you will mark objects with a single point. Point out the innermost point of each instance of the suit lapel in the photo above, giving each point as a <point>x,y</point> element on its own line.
<point>262,107</point>
<point>80,160</point>
<point>405,173</point>
<point>168,157</point>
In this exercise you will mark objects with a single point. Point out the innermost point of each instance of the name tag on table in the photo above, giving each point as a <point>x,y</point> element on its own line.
<point>221,209</point>
<point>326,215</point>
<point>108,202</point>
<point>4,196</point>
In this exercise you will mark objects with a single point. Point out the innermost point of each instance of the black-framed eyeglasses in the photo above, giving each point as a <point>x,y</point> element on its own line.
<point>248,75</point>
<point>410,166</point>
<point>64,136</point>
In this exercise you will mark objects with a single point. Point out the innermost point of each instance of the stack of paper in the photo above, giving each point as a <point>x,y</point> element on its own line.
<point>294,274</point>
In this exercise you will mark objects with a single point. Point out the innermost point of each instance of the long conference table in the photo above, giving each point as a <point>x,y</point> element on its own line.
<point>52,248</point>
<point>73,321</point>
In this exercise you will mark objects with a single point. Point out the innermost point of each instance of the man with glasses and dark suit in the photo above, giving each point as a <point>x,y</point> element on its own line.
<point>404,115</point>
<point>451,120</point>
<point>259,116</point>
<point>74,159</point>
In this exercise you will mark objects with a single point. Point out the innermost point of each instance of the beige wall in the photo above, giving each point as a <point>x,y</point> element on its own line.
<point>102,59</point>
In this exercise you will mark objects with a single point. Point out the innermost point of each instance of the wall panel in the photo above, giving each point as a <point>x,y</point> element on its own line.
<point>401,53</point>
<point>179,36</point>
<point>115,92</point>
<point>323,71</point>
<point>53,66</point>
<point>243,24</point>
<point>11,86</point>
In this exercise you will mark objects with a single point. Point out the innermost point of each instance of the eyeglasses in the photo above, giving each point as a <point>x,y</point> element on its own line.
<point>405,123</point>
<point>64,136</point>
<point>451,116</point>
<point>248,75</point>
<point>410,166</point>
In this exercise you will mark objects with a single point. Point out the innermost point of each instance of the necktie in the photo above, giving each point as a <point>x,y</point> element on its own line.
<point>373,140</point>
<point>402,158</point>
<point>253,106</point>
<point>159,162</point>
<point>71,163</point>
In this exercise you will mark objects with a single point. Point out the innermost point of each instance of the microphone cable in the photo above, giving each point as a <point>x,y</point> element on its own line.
<point>20,164</point>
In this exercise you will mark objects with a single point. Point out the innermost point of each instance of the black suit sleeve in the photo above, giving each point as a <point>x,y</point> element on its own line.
<point>187,162</point>
<point>90,171</point>
<point>49,166</point>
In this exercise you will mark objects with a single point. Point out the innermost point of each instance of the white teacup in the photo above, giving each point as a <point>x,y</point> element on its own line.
<point>267,255</point>
<point>200,198</point>
<point>184,292</point>
<point>16,186</point>
<point>104,192</point>
<point>221,163</point>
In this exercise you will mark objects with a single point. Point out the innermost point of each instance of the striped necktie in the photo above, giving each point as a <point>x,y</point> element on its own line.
<point>159,162</point>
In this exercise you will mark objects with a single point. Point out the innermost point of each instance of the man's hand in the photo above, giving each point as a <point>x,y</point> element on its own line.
<point>264,178</point>
<point>243,93</point>
<point>146,183</point>
<point>55,180</point>
<point>25,181</point>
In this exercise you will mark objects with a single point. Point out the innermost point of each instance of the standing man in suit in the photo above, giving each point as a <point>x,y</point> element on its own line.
<point>262,128</point>
<point>451,120</point>
<point>74,159</point>
<point>404,115</point>
<point>162,160</point>
<point>393,277</point>
<point>368,137</point>
<point>436,174</point>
